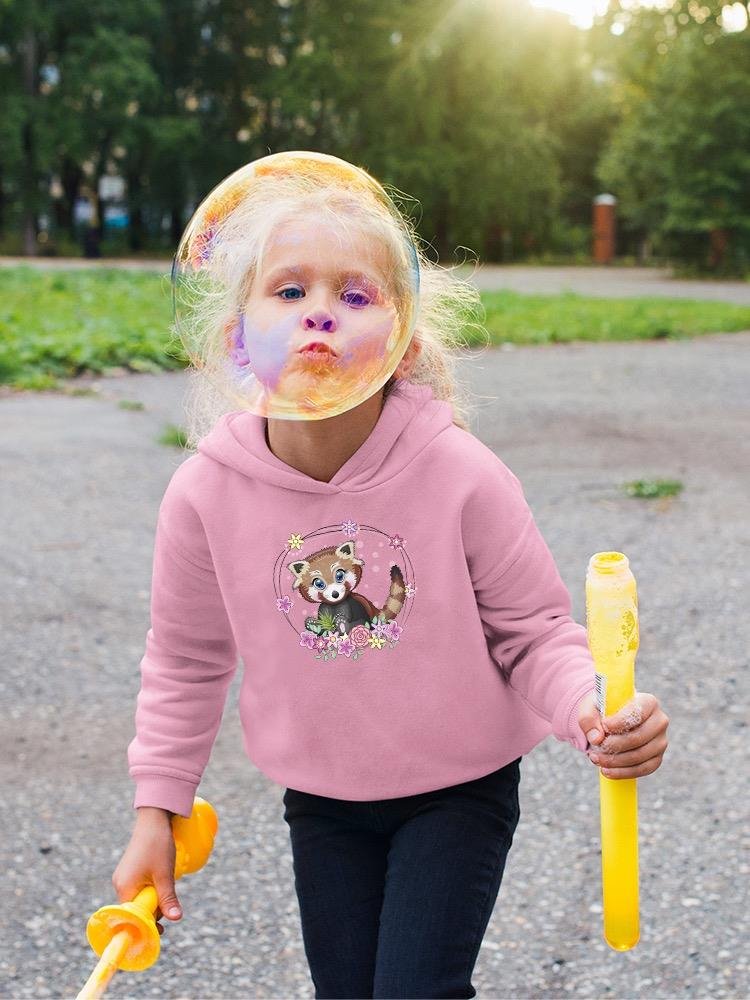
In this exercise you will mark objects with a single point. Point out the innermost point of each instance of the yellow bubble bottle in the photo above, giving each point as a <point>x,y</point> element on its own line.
<point>125,935</point>
<point>612,628</point>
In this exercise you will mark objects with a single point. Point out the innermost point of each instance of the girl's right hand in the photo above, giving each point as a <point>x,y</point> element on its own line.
<point>149,859</point>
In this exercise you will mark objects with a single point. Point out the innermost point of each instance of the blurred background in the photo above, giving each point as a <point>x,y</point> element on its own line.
<point>504,119</point>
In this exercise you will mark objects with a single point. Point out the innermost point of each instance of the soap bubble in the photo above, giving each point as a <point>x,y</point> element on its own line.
<point>295,286</point>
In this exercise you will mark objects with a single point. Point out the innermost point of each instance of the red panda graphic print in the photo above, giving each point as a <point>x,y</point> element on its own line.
<point>348,595</point>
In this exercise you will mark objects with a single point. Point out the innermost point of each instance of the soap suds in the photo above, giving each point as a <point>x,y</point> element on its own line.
<point>633,717</point>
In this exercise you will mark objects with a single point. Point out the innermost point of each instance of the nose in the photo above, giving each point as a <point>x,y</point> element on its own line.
<point>319,319</point>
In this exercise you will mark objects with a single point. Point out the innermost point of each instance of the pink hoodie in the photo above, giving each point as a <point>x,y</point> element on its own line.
<point>402,627</point>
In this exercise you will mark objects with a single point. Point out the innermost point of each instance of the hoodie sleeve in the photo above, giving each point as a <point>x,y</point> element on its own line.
<point>524,604</point>
<point>189,662</point>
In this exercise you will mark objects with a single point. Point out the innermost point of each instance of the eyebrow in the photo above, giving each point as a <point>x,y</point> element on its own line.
<point>303,271</point>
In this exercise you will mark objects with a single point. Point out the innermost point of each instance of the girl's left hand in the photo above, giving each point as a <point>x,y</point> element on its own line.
<point>630,743</point>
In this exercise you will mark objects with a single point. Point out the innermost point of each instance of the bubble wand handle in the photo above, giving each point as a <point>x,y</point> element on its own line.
<point>613,637</point>
<point>125,935</point>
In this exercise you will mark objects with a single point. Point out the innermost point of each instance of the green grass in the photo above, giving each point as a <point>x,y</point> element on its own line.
<point>544,319</point>
<point>60,323</point>
<point>174,436</point>
<point>648,488</point>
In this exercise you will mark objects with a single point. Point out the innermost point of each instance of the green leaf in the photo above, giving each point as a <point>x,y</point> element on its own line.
<point>313,625</point>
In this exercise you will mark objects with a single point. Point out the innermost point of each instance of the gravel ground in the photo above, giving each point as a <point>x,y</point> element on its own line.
<point>82,481</point>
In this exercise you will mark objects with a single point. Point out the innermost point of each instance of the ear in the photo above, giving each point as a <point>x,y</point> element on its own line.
<point>346,551</point>
<point>298,569</point>
<point>234,338</point>
<point>406,363</point>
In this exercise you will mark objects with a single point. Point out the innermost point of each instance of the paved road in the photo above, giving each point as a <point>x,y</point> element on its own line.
<point>605,282</point>
<point>82,480</point>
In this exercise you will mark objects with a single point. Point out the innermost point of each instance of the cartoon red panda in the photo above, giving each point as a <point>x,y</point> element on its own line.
<point>330,576</point>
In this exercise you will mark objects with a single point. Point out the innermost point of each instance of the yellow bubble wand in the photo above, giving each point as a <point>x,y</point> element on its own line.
<point>125,935</point>
<point>612,628</point>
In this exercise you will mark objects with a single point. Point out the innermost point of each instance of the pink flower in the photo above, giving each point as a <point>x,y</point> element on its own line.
<point>284,604</point>
<point>307,639</point>
<point>360,636</point>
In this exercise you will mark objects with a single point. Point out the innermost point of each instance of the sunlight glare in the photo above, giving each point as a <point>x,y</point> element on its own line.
<point>582,12</point>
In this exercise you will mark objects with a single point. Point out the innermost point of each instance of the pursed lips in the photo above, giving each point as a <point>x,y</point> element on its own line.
<point>317,346</point>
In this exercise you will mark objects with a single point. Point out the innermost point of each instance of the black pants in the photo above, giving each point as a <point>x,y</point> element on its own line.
<point>395,895</point>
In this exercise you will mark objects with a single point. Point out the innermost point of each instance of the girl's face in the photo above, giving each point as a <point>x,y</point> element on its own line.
<point>320,319</point>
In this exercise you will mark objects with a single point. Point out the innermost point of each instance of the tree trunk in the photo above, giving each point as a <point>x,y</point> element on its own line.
<point>30,193</point>
<point>719,243</point>
<point>70,178</point>
<point>135,211</point>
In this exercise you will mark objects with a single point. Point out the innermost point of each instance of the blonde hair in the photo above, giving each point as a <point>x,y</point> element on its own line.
<point>208,300</point>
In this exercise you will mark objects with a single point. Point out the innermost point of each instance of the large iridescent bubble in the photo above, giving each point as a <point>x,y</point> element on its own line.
<point>295,286</point>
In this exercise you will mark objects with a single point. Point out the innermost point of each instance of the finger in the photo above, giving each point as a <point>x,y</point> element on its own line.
<point>633,713</point>
<point>128,893</point>
<point>631,758</point>
<point>654,727</point>
<point>168,901</point>
<point>589,719</point>
<point>647,767</point>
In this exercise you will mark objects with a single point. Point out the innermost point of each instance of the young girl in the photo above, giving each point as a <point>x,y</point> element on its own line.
<point>405,632</point>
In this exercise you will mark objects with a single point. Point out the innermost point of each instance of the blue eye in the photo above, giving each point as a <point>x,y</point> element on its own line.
<point>282,294</point>
<point>340,574</point>
<point>320,584</point>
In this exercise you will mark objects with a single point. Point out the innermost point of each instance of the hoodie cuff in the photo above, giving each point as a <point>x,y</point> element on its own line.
<point>165,792</point>
<point>572,731</point>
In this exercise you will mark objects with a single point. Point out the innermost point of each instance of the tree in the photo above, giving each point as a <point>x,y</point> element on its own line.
<point>680,159</point>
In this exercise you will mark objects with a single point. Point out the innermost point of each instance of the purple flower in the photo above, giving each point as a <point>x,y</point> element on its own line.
<point>346,646</point>
<point>284,604</point>
<point>307,639</point>
<point>393,631</point>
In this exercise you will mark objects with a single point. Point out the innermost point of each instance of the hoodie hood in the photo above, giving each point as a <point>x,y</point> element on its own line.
<point>411,417</point>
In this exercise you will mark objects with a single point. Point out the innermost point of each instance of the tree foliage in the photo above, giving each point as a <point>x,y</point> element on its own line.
<point>501,121</point>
